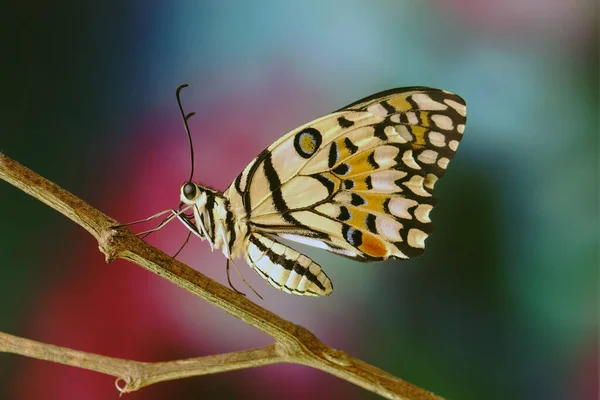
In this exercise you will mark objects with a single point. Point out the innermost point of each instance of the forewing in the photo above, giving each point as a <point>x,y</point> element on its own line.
<point>358,182</point>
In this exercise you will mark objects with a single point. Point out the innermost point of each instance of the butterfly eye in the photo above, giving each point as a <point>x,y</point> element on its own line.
<point>189,191</point>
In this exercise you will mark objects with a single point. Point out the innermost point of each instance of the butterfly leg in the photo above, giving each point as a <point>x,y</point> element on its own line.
<point>243,279</point>
<point>139,221</point>
<point>187,239</point>
<point>285,268</point>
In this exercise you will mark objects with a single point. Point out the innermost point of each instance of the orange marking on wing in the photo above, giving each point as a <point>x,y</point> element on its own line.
<point>419,133</point>
<point>374,201</point>
<point>342,149</point>
<point>373,246</point>
<point>400,103</point>
<point>424,116</point>
<point>360,183</point>
<point>359,164</point>
<point>358,217</point>
<point>334,178</point>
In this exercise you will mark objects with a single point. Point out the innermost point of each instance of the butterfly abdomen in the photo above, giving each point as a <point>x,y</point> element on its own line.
<point>285,268</point>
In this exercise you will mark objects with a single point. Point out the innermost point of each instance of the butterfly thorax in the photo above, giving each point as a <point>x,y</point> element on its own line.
<point>213,219</point>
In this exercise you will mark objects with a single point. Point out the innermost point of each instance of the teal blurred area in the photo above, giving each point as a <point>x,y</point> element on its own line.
<point>504,303</point>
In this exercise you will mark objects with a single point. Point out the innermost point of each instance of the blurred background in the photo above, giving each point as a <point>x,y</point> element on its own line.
<point>504,303</point>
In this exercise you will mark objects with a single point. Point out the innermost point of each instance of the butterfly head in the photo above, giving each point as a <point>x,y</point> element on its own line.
<point>193,195</point>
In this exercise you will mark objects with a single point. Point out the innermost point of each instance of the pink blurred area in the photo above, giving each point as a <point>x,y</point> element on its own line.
<point>568,23</point>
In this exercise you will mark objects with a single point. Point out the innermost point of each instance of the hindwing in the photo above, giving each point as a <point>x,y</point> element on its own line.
<point>359,181</point>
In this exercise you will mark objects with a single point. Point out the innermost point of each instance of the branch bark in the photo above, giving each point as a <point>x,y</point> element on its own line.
<point>293,343</point>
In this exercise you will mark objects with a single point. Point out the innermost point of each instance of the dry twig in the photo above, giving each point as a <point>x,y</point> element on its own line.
<point>293,343</point>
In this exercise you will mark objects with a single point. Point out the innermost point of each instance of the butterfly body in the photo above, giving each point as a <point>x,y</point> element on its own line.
<point>282,266</point>
<point>357,182</point>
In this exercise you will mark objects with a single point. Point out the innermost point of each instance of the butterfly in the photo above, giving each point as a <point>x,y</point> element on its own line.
<point>356,182</point>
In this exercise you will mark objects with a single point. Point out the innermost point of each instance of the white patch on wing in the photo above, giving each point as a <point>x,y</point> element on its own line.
<point>437,139</point>
<point>390,131</point>
<point>293,280</point>
<point>404,134</point>
<point>422,212</point>
<point>428,156</point>
<point>399,206</point>
<point>384,181</point>
<point>426,103</point>
<point>388,228</point>
<point>279,274</point>
<point>377,110</point>
<point>453,145</point>
<point>303,191</point>
<point>254,253</point>
<point>460,108</point>
<point>385,155</point>
<point>304,240</point>
<point>278,248</point>
<point>303,284</point>
<point>442,121</point>
<point>415,184</point>
<point>408,159</point>
<point>443,162</point>
<point>265,265</point>
<point>412,118</point>
<point>416,238</point>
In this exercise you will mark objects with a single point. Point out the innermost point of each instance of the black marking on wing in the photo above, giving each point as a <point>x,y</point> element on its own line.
<point>386,207</point>
<point>413,105</point>
<point>210,207</point>
<point>256,163</point>
<point>357,200</point>
<point>389,92</point>
<point>352,236</point>
<point>418,116</point>
<point>333,155</point>
<point>371,160</point>
<point>344,123</point>
<point>328,183</point>
<point>370,222</point>
<point>388,107</point>
<point>274,185</point>
<point>380,131</point>
<point>341,169</point>
<point>409,251</point>
<point>230,226</point>
<point>313,135</point>
<point>277,196</point>
<point>238,183</point>
<point>344,214</point>
<point>352,148</point>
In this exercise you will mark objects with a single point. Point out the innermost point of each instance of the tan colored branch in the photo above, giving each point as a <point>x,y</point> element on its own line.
<point>293,343</point>
<point>134,375</point>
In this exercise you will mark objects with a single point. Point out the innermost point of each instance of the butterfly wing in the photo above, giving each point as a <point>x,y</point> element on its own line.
<point>357,182</point>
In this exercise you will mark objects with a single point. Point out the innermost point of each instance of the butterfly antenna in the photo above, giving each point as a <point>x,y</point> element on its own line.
<point>187,128</point>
